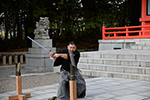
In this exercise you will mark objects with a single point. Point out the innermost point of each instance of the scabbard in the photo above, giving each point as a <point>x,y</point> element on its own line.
<point>72,72</point>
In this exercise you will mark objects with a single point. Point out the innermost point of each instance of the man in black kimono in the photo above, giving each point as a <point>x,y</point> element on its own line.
<point>62,58</point>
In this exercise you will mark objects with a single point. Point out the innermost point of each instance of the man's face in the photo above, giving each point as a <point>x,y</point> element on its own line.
<point>72,47</point>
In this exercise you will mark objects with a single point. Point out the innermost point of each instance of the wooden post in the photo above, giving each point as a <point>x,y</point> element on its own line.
<point>72,82</point>
<point>18,85</point>
<point>19,95</point>
<point>73,90</point>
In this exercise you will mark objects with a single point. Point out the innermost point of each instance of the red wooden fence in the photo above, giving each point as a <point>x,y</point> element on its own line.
<point>131,32</point>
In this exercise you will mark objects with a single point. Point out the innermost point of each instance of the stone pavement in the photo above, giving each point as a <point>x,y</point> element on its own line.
<point>97,89</point>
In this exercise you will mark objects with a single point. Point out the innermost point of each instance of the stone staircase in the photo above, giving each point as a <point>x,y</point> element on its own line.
<point>128,64</point>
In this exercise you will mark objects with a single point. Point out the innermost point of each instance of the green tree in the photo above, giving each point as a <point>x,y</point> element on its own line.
<point>68,19</point>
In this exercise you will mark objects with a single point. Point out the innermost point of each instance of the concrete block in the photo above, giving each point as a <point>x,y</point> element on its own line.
<point>83,54</point>
<point>91,67</point>
<point>103,74</point>
<point>133,76</point>
<point>43,42</point>
<point>139,47</point>
<point>97,61</point>
<point>113,56</point>
<point>121,56</point>
<point>120,75</point>
<point>133,70</point>
<point>111,75</point>
<point>139,57</point>
<point>140,43</point>
<point>111,62</point>
<point>145,63</point>
<point>83,60</point>
<point>101,67</point>
<point>147,71</point>
<point>134,47</point>
<point>95,67</point>
<point>83,66</point>
<point>142,57</point>
<point>146,47</point>
<point>40,50</point>
<point>95,73</point>
<point>90,60</point>
<point>148,79</point>
<point>147,43</point>
<point>93,55</point>
<point>112,44</point>
<point>86,72</point>
<point>39,63</point>
<point>129,63</point>
<point>117,69</point>
<point>141,71</point>
<point>144,78</point>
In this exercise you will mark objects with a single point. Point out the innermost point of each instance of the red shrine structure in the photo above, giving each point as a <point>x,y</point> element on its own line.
<point>128,37</point>
<point>131,32</point>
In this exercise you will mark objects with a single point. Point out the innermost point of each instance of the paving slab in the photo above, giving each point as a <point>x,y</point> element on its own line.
<point>97,89</point>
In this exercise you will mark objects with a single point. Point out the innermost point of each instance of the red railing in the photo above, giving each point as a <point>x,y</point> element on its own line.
<point>131,32</point>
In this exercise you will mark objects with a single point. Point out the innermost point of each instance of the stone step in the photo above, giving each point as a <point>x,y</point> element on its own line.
<point>129,64</point>
<point>115,68</point>
<point>122,62</point>
<point>143,43</point>
<point>115,75</point>
<point>140,47</point>
<point>117,56</point>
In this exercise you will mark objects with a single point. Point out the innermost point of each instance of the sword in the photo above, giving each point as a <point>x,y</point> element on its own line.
<point>40,45</point>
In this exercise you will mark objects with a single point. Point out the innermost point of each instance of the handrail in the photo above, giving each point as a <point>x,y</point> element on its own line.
<point>131,32</point>
<point>10,58</point>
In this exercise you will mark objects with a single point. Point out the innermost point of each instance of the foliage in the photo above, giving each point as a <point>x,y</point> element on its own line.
<point>38,12</point>
<point>69,19</point>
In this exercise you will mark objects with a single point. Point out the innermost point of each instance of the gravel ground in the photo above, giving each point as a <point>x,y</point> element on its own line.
<point>8,79</point>
<point>8,83</point>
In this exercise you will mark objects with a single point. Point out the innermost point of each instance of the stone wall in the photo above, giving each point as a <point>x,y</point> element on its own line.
<point>120,44</point>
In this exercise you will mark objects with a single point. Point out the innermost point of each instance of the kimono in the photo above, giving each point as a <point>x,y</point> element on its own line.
<point>65,76</point>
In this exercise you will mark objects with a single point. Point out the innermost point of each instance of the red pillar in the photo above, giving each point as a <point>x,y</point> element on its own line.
<point>145,18</point>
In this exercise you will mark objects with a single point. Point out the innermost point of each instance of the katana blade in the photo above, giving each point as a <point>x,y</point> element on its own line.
<point>39,45</point>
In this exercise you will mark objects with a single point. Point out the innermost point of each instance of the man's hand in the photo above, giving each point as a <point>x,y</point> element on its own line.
<point>52,54</point>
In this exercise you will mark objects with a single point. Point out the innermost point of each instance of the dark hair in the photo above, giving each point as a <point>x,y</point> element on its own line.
<point>72,42</point>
